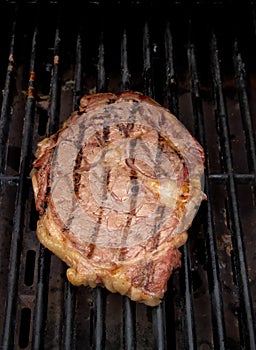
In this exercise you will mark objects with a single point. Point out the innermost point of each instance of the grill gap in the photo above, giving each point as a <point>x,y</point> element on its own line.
<point>24,330</point>
<point>30,267</point>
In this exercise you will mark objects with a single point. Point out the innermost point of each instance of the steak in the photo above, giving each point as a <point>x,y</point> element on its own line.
<point>117,188</point>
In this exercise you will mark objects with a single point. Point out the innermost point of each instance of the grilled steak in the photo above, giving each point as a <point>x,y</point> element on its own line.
<point>116,189</point>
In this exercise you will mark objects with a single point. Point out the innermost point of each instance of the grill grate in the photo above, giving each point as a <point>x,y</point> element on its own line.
<point>198,61</point>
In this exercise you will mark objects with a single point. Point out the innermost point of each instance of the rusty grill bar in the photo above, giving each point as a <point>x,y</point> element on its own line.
<point>198,61</point>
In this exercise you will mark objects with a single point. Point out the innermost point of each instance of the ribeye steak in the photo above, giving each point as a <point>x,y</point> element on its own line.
<point>117,188</point>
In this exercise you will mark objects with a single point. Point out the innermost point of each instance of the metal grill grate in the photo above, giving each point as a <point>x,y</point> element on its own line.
<point>197,60</point>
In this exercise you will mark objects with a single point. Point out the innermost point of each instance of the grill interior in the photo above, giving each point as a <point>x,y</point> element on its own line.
<point>198,60</point>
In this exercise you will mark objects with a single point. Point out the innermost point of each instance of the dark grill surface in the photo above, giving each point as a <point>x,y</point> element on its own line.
<point>198,60</point>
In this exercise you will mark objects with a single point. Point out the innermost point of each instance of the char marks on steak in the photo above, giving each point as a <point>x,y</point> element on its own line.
<point>116,188</point>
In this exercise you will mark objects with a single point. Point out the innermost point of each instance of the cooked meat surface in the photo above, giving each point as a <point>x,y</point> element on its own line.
<point>117,188</point>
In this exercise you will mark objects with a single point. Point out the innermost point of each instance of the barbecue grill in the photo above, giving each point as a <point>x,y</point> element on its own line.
<point>196,59</point>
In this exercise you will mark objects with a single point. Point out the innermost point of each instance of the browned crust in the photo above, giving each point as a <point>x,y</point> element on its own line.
<point>122,277</point>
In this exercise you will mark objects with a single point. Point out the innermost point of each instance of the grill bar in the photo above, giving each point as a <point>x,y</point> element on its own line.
<point>7,98</point>
<point>171,102</point>
<point>129,324</point>
<point>129,318</point>
<point>70,291</point>
<point>158,316</point>
<point>170,90</point>
<point>159,327</point>
<point>101,82</point>
<point>240,178</point>
<point>78,72</point>
<point>99,319</point>
<point>69,317</point>
<point>54,109</point>
<point>216,299</point>
<point>187,302</point>
<point>125,74</point>
<point>99,332</point>
<point>40,310</point>
<point>44,261</point>
<point>240,268</point>
<point>245,109</point>
<point>11,299</point>
<point>147,67</point>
